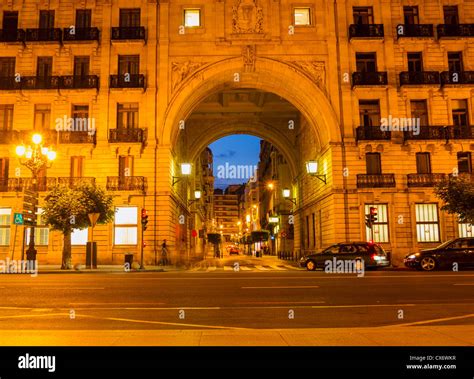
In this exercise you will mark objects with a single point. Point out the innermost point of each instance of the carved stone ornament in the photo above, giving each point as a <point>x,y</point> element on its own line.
<point>247,17</point>
<point>314,69</point>
<point>249,55</point>
<point>181,70</point>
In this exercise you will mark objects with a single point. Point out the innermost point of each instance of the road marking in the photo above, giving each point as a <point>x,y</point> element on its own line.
<point>363,306</point>
<point>463,284</point>
<point>245,268</point>
<point>261,268</point>
<point>284,302</point>
<point>277,268</point>
<point>435,320</point>
<point>39,315</point>
<point>70,288</point>
<point>211,268</point>
<point>152,303</point>
<point>228,268</point>
<point>292,267</point>
<point>281,287</point>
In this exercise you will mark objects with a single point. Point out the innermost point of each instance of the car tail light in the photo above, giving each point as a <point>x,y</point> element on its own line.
<point>373,257</point>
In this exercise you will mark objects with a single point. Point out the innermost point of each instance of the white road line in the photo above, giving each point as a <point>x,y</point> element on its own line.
<point>463,284</point>
<point>275,267</point>
<point>436,320</point>
<point>282,287</point>
<point>292,267</point>
<point>245,268</point>
<point>70,288</point>
<point>228,268</point>
<point>261,268</point>
<point>212,268</point>
<point>363,306</point>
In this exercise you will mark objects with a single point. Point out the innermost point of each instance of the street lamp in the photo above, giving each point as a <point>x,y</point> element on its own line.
<point>287,194</point>
<point>185,171</point>
<point>197,197</point>
<point>35,157</point>
<point>312,169</point>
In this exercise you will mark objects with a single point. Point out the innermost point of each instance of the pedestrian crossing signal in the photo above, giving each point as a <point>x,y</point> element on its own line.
<point>144,218</point>
<point>373,215</point>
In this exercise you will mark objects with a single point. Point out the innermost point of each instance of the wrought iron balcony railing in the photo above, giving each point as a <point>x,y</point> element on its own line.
<point>80,34</point>
<point>44,35</point>
<point>126,183</point>
<point>419,77</point>
<point>130,33</point>
<point>13,35</point>
<point>458,30</point>
<point>9,185</point>
<point>79,82</point>
<point>75,181</point>
<point>415,30</point>
<point>127,81</point>
<point>43,183</point>
<point>366,31</point>
<point>77,137</point>
<point>426,132</point>
<point>424,180</point>
<point>460,132</point>
<point>127,135</point>
<point>375,180</point>
<point>39,82</point>
<point>376,78</point>
<point>371,133</point>
<point>457,77</point>
<point>8,136</point>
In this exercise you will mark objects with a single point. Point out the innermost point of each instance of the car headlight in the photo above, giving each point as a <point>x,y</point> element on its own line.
<point>413,256</point>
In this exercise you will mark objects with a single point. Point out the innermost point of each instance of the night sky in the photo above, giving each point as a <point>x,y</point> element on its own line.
<point>238,149</point>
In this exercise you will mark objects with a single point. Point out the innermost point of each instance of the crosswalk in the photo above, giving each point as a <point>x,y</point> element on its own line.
<point>246,268</point>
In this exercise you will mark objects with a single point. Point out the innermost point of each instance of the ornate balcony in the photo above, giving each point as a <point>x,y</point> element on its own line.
<point>367,133</point>
<point>77,137</point>
<point>419,78</point>
<point>79,82</point>
<point>9,83</point>
<point>39,82</point>
<point>8,136</point>
<point>376,78</point>
<point>126,183</point>
<point>14,35</point>
<point>80,34</point>
<point>424,180</point>
<point>127,81</point>
<point>127,135</point>
<point>44,183</point>
<point>133,33</point>
<point>459,30</point>
<point>415,30</point>
<point>9,185</point>
<point>75,181</point>
<point>457,77</point>
<point>375,180</point>
<point>460,132</point>
<point>366,31</point>
<point>44,35</point>
<point>426,132</point>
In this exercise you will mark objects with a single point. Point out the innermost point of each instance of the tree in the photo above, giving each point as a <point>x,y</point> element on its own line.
<point>67,208</point>
<point>457,193</point>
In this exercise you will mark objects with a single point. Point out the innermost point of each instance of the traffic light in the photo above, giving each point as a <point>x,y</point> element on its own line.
<point>144,218</point>
<point>373,215</point>
<point>368,221</point>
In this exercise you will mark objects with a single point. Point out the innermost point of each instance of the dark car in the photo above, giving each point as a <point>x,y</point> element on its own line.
<point>459,250</point>
<point>372,255</point>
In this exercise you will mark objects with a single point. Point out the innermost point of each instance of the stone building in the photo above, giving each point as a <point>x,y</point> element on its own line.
<point>327,83</point>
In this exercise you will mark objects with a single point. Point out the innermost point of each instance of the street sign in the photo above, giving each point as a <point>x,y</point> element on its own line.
<point>18,218</point>
<point>30,201</point>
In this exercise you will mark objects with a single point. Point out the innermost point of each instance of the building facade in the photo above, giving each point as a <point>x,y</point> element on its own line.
<point>378,94</point>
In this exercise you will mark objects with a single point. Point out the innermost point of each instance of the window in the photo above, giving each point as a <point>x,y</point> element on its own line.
<point>369,112</point>
<point>363,15</point>
<point>127,115</point>
<point>125,166</point>
<point>419,110</point>
<point>125,226</point>
<point>44,67</point>
<point>192,18</point>
<point>129,18</point>
<point>42,117</point>
<point>79,237</point>
<point>81,66</point>
<point>6,117</point>
<point>465,230</point>
<point>314,232</point>
<point>366,62</point>
<point>128,64</point>
<point>334,249</point>
<point>410,15</point>
<point>79,113</point>
<point>427,224</point>
<point>83,18</point>
<point>379,227</point>
<point>464,162</point>
<point>415,62</point>
<point>46,20</point>
<point>373,163</point>
<point>7,67</point>
<point>41,231</point>
<point>10,21</point>
<point>5,221</point>
<point>77,167</point>
<point>423,163</point>
<point>4,167</point>
<point>460,113</point>
<point>451,16</point>
<point>302,16</point>
<point>455,63</point>
<point>307,231</point>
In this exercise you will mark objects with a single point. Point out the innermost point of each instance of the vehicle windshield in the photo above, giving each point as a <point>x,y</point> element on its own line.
<point>444,244</point>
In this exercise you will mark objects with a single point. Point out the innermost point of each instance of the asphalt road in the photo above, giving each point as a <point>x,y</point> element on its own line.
<point>229,299</point>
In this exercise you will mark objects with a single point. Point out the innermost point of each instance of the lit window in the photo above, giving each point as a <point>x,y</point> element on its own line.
<point>5,220</point>
<point>79,237</point>
<point>466,230</point>
<point>125,227</point>
<point>192,18</point>
<point>379,227</point>
<point>427,223</point>
<point>41,231</point>
<point>302,16</point>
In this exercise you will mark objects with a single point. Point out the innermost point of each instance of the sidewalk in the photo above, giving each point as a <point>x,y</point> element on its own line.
<point>101,269</point>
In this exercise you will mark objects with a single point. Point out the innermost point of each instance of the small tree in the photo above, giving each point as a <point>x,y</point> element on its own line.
<point>67,208</point>
<point>457,194</point>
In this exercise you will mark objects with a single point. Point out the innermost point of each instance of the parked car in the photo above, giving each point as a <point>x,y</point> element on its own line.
<point>233,250</point>
<point>371,253</point>
<point>458,250</point>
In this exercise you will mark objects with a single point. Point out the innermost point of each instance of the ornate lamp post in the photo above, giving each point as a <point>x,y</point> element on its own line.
<point>35,157</point>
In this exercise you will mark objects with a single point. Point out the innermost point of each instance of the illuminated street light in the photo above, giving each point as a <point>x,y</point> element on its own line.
<point>287,195</point>
<point>312,169</point>
<point>186,169</point>
<point>271,186</point>
<point>197,197</point>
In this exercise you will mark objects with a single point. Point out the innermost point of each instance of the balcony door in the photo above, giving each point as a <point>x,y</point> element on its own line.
<point>125,172</point>
<point>129,18</point>
<point>410,15</point>
<point>451,16</point>
<point>4,167</point>
<point>423,163</point>
<point>455,62</point>
<point>415,62</point>
<point>46,20</point>
<point>127,116</point>
<point>77,167</point>
<point>81,66</point>
<point>128,64</point>
<point>369,113</point>
<point>10,21</point>
<point>363,15</point>
<point>7,67</point>
<point>419,110</point>
<point>366,62</point>
<point>83,18</point>
<point>373,163</point>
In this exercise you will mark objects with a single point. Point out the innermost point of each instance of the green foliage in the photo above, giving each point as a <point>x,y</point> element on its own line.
<point>458,195</point>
